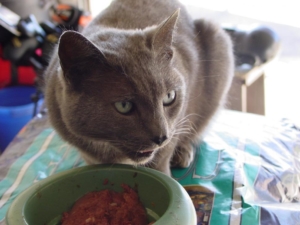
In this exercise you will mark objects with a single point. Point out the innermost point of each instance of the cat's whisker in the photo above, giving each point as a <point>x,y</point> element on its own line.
<point>189,115</point>
<point>211,60</point>
<point>151,164</point>
<point>181,133</point>
<point>112,165</point>
<point>182,130</point>
<point>192,126</point>
<point>189,138</point>
<point>175,132</point>
<point>183,125</point>
<point>204,78</point>
<point>179,123</point>
<point>193,130</point>
<point>186,129</point>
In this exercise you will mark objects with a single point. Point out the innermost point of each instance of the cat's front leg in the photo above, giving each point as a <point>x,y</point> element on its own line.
<point>183,155</point>
<point>173,155</point>
<point>162,159</point>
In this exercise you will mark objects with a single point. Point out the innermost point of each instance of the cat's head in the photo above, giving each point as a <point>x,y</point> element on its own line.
<point>122,87</point>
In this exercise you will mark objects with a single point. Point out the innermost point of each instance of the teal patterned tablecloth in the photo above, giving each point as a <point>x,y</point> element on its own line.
<point>246,169</point>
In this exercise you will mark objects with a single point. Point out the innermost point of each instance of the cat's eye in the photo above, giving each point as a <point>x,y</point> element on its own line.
<point>169,98</point>
<point>124,106</point>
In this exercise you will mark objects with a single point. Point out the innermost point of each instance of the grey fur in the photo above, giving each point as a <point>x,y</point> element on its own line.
<point>139,51</point>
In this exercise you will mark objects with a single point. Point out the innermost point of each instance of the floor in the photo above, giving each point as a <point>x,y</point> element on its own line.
<point>282,80</point>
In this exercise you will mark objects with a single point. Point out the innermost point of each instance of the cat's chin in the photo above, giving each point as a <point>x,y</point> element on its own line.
<point>141,157</point>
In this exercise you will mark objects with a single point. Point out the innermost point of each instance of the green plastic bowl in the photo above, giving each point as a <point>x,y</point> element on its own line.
<point>43,203</point>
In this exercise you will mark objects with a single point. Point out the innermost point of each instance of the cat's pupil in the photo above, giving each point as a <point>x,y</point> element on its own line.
<point>169,98</point>
<point>123,106</point>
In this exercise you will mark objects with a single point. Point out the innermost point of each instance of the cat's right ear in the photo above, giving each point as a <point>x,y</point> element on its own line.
<point>164,35</point>
<point>77,55</point>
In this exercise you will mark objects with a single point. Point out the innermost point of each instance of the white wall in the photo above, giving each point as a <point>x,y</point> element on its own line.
<point>277,11</point>
<point>96,6</point>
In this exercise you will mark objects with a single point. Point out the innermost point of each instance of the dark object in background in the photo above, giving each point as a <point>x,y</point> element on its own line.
<point>29,35</point>
<point>22,50</point>
<point>66,15</point>
<point>8,24</point>
<point>30,43</point>
<point>253,46</point>
<point>25,42</point>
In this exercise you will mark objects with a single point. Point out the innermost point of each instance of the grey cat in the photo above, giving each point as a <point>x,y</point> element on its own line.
<point>140,84</point>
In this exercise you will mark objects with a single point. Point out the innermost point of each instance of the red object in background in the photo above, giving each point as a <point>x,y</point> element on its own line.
<point>26,74</point>
<point>5,78</point>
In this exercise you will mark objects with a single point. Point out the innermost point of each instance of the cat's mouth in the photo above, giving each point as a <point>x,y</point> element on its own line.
<point>145,153</point>
<point>142,154</point>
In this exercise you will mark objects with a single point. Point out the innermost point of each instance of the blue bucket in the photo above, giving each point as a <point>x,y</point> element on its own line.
<point>16,110</point>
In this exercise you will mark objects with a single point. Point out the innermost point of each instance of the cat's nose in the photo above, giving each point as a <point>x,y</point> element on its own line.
<point>159,139</point>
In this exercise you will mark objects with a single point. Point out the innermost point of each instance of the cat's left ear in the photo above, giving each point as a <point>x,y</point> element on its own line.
<point>78,57</point>
<point>164,35</point>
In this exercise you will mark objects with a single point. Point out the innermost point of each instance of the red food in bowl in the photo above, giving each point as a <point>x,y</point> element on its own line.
<point>107,207</point>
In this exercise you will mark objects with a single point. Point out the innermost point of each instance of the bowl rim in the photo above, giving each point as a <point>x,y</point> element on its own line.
<point>179,198</point>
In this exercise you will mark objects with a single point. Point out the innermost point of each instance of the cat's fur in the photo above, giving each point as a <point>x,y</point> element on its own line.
<point>139,51</point>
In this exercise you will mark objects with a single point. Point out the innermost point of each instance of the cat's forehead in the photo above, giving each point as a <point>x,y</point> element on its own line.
<point>121,42</point>
<point>131,53</point>
<point>150,81</point>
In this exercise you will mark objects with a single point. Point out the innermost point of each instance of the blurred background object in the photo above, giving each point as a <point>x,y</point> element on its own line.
<point>29,31</point>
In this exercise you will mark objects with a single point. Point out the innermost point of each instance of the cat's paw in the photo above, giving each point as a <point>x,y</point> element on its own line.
<point>183,156</point>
